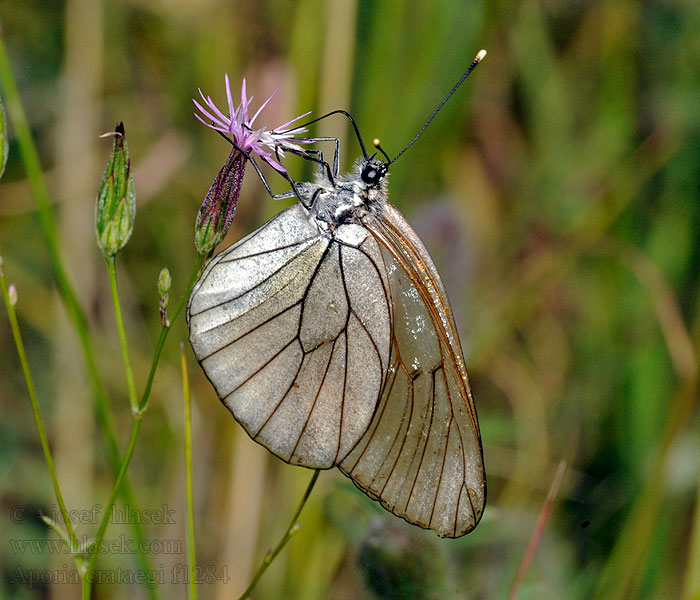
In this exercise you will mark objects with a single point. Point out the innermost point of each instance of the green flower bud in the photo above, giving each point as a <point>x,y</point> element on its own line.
<point>216,213</point>
<point>4,145</point>
<point>164,281</point>
<point>116,203</point>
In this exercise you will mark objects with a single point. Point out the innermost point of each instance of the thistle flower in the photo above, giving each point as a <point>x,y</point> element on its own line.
<point>216,213</point>
<point>240,126</point>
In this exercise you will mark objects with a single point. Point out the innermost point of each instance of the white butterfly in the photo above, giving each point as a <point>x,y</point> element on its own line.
<point>328,334</point>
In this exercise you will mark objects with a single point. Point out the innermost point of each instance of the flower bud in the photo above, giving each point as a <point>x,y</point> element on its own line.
<point>164,281</point>
<point>116,203</point>
<point>12,293</point>
<point>216,213</point>
<point>4,145</point>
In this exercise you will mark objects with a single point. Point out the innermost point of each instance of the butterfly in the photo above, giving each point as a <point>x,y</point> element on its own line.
<point>328,335</point>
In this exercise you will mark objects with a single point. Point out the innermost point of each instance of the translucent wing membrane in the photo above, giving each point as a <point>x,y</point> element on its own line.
<point>292,329</point>
<point>421,457</point>
<point>343,351</point>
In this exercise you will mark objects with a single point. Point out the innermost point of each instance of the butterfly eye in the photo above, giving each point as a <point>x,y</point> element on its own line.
<point>370,174</point>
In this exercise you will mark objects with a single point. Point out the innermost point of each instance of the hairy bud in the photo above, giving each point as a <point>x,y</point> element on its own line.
<point>216,213</point>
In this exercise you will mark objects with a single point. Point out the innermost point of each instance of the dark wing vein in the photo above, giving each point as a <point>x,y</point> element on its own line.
<point>425,442</point>
<point>342,400</point>
<point>371,339</point>
<point>251,330</point>
<point>410,392</point>
<point>313,406</point>
<point>257,285</point>
<point>254,373</point>
<point>275,249</point>
<point>442,469</point>
<point>282,399</point>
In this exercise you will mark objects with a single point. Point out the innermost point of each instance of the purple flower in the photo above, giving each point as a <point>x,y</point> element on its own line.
<point>240,126</point>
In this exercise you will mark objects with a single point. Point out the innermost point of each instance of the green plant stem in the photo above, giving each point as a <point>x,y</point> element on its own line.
<point>191,550</point>
<point>624,569</point>
<point>143,405</point>
<point>19,344</point>
<point>47,222</point>
<point>691,585</point>
<point>291,530</point>
<point>137,417</point>
<point>131,386</point>
<point>106,516</point>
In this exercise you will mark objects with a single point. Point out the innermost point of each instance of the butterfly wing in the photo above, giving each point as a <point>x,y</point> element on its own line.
<point>421,456</point>
<point>292,329</point>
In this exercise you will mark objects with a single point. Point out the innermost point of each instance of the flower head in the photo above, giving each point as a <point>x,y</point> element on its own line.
<point>240,126</point>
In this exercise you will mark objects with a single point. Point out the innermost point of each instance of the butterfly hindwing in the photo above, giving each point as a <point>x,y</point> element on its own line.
<point>421,457</point>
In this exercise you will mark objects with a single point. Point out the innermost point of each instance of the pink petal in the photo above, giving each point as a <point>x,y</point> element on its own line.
<point>210,104</point>
<point>281,127</point>
<point>274,164</point>
<point>243,116</point>
<point>210,125</point>
<point>287,144</point>
<point>223,117</point>
<point>229,97</point>
<point>208,114</point>
<point>264,104</point>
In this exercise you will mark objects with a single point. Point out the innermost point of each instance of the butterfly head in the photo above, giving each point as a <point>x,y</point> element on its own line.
<point>370,182</point>
<point>373,171</point>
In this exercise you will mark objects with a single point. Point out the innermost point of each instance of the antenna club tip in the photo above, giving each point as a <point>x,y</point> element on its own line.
<point>376,142</point>
<point>480,55</point>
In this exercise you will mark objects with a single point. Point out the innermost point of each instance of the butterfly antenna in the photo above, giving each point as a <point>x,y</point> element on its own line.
<point>477,59</point>
<point>336,112</point>
<point>378,145</point>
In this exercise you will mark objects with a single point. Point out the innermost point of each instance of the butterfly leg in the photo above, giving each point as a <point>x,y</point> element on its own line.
<point>336,152</point>
<point>308,154</point>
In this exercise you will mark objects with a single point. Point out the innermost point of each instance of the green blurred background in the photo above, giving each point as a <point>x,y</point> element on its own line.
<point>558,192</point>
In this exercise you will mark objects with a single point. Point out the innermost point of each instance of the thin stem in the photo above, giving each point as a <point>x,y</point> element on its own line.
<point>137,417</point>
<point>164,332</point>
<point>106,516</point>
<point>111,269</point>
<point>19,344</point>
<point>537,531</point>
<point>47,223</point>
<point>291,530</point>
<point>191,551</point>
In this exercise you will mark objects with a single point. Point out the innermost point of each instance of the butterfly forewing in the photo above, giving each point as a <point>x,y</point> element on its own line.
<point>421,457</point>
<point>293,330</point>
